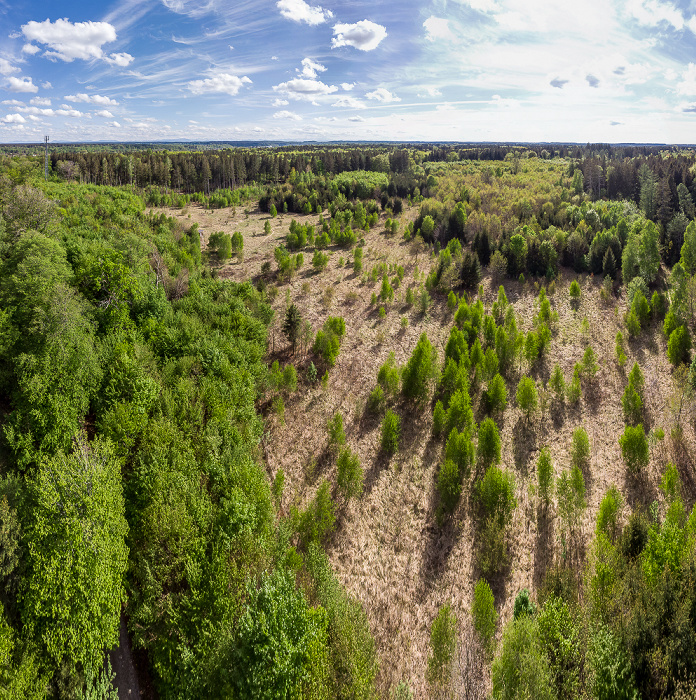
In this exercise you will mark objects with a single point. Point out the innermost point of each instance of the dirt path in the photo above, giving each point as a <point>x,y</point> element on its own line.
<point>123,666</point>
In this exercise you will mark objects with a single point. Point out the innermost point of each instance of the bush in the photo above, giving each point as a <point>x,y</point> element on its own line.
<point>634,447</point>
<point>484,614</point>
<point>439,419</point>
<point>391,432</point>
<point>317,522</point>
<point>679,346</point>
<point>419,370</point>
<point>449,485</point>
<point>488,443</point>
<point>320,260</point>
<point>574,390</point>
<point>459,413</point>
<point>632,399</point>
<point>557,383</point>
<point>610,674</point>
<point>671,324</point>
<point>589,363</point>
<point>527,397</point>
<point>496,493</point>
<point>496,395</point>
<point>350,475</point>
<point>580,449</point>
<point>570,489</point>
<point>376,401</point>
<point>327,342</point>
<point>632,324</point>
<point>337,437</point>
<point>460,450</point>
<point>388,376</point>
<point>619,349</point>
<point>608,514</point>
<point>443,643</point>
<point>523,605</point>
<point>545,475</point>
<point>574,291</point>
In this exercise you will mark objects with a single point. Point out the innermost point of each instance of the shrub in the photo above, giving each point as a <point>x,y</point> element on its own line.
<point>574,291</point>
<point>574,390</point>
<point>589,363</point>
<point>424,300</point>
<point>388,376</point>
<point>610,674</point>
<point>671,324</point>
<point>460,450</point>
<point>632,324</point>
<point>488,443</point>
<point>523,605</point>
<point>452,301</point>
<point>289,379</point>
<point>607,516</point>
<point>376,401</point>
<point>449,485</point>
<point>545,475</point>
<point>349,476</point>
<point>484,614</point>
<point>679,346</point>
<point>496,493</point>
<point>391,432</point>
<point>337,436</point>
<point>386,292</point>
<point>527,397</point>
<point>459,413</point>
<point>320,260</point>
<point>634,447</point>
<point>327,342</point>
<point>580,449</point>
<point>632,399</point>
<point>570,489</point>
<point>619,349</point>
<point>419,370</point>
<point>439,419</point>
<point>443,643</point>
<point>640,307</point>
<point>496,394</point>
<point>557,382</point>
<point>317,522</point>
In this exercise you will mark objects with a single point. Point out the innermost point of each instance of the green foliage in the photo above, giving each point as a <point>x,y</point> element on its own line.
<point>610,675</point>
<point>221,244</point>
<point>671,483</point>
<point>449,485</point>
<point>77,554</point>
<point>391,433</point>
<point>527,397</point>
<point>439,419</point>
<point>292,324</point>
<point>327,342</point>
<point>320,260</point>
<point>608,514</point>
<point>443,644</point>
<point>632,399</point>
<point>580,449</point>
<point>484,614</point>
<point>545,475</point>
<point>420,369</point>
<point>557,382</point>
<point>496,395</point>
<point>489,444</point>
<point>317,522</point>
<point>523,605</point>
<point>634,447</point>
<point>349,474</point>
<point>388,376</point>
<point>620,350</point>
<point>460,450</point>
<point>521,670</point>
<point>496,493</point>
<point>679,346</point>
<point>452,301</point>
<point>337,436</point>
<point>570,489</point>
<point>574,291</point>
<point>376,401</point>
<point>589,363</point>
<point>386,292</point>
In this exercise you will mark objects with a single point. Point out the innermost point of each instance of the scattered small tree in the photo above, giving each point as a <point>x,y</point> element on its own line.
<point>580,449</point>
<point>419,370</point>
<point>337,436</point>
<point>350,475</point>
<point>391,432</point>
<point>292,324</point>
<point>488,443</point>
<point>634,448</point>
<point>443,644</point>
<point>545,475</point>
<point>527,397</point>
<point>496,395</point>
<point>679,346</point>
<point>484,614</point>
<point>574,293</point>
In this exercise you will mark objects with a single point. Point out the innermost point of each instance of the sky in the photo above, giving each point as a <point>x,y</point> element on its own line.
<point>446,70</point>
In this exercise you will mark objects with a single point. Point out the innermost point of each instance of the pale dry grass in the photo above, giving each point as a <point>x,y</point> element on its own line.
<point>388,549</point>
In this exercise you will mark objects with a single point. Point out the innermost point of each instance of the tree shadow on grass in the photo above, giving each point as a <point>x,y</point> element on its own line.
<point>524,444</point>
<point>543,548</point>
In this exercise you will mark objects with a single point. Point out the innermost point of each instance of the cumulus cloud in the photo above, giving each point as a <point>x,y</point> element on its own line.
<point>437,29</point>
<point>280,103</point>
<point>91,99</point>
<point>356,118</point>
<point>74,113</point>
<point>104,113</point>
<point>363,35</point>
<point>21,85</point>
<point>119,59</point>
<point>349,103</point>
<point>558,83</point>
<point>300,11</point>
<point>224,82</point>
<point>14,103</point>
<point>115,124</point>
<point>687,85</point>
<point>304,89</point>
<point>6,68</point>
<point>430,91</point>
<point>40,101</point>
<point>286,114</point>
<point>310,68</point>
<point>46,85</point>
<point>43,111</point>
<point>31,49</point>
<point>68,41</point>
<point>14,119</point>
<point>33,118</point>
<point>347,86</point>
<point>382,95</point>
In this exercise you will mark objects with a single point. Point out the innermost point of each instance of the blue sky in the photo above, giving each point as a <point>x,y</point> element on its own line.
<point>455,70</point>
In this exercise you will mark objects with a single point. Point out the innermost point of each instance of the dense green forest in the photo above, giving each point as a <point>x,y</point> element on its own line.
<point>134,379</point>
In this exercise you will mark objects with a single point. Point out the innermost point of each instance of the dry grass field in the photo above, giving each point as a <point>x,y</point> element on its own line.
<point>388,548</point>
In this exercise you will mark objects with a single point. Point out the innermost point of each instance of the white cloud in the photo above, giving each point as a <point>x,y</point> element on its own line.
<point>14,103</point>
<point>430,91</point>
<point>115,124</point>
<point>687,86</point>
<point>40,101</point>
<point>45,112</point>
<point>285,114</point>
<point>304,89</point>
<point>104,113</point>
<point>349,103</point>
<point>14,119</point>
<point>300,11</point>
<point>280,103</point>
<point>356,118</point>
<point>363,35</point>
<point>91,99</point>
<point>347,86</point>
<point>33,118</point>
<point>274,58</point>
<point>437,29</point>
<point>651,13</point>
<point>6,68</point>
<point>68,41</point>
<point>31,49</point>
<point>46,85</point>
<point>74,113</point>
<point>310,68</point>
<point>382,95</point>
<point>21,85</point>
<point>224,82</point>
<point>119,59</point>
